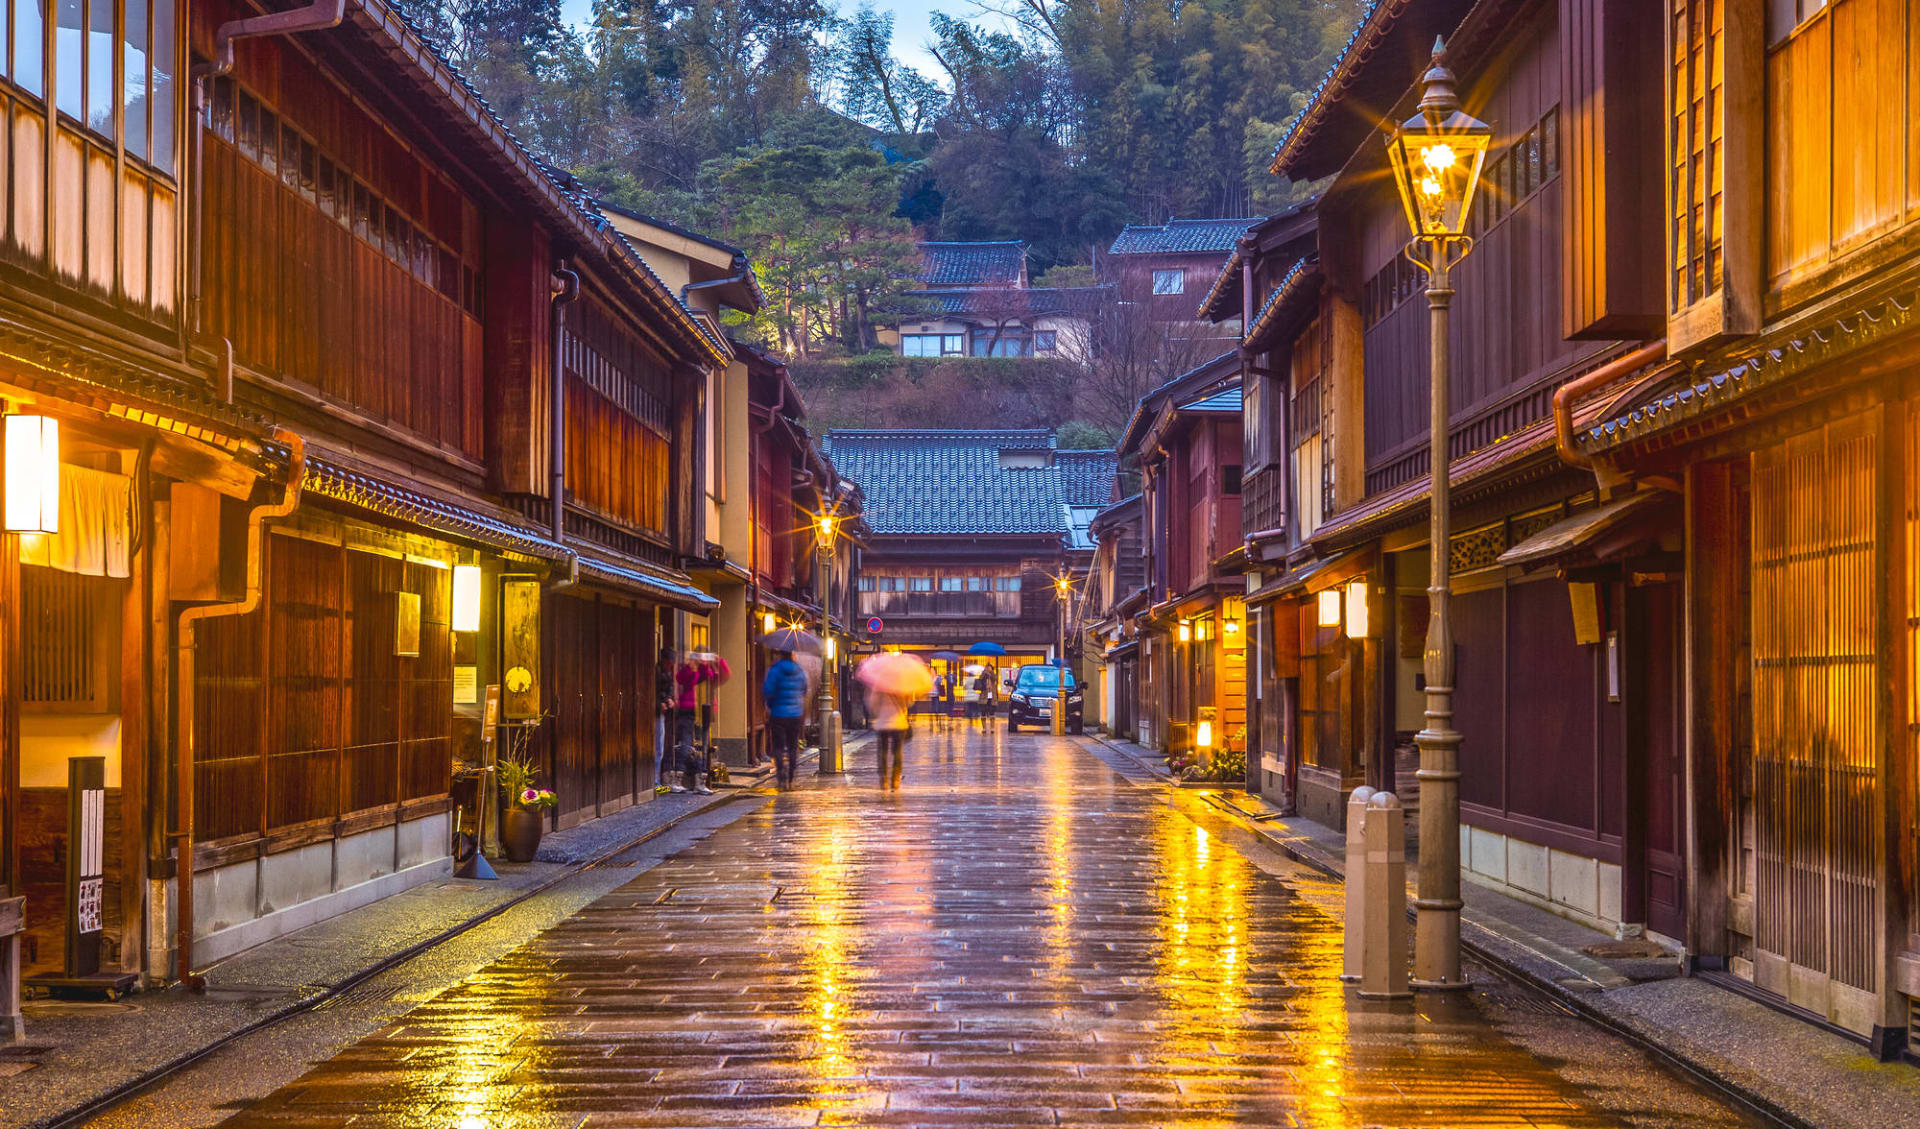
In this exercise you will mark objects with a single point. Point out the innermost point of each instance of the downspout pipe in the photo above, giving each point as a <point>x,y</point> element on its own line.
<point>183,635</point>
<point>1570,393</point>
<point>566,288</point>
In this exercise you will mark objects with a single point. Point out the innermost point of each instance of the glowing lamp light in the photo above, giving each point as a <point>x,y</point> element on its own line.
<point>1436,157</point>
<point>1231,627</point>
<point>1203,734</point>
<point>33,474</point>
<point>1357,609</point>
<point>769,623</point>
<point>1186,632</point>
<point>1330,608</point>
<point>823,530</point>
<point>829,648</point>
<point>466,597</point>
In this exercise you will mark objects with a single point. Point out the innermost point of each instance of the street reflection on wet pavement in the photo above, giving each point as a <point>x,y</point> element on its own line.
<point>1016,937</point>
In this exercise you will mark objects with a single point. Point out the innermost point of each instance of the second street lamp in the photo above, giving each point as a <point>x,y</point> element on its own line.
<point>1063,588</point>
<point>824,527</point>
<point>1436,157</point>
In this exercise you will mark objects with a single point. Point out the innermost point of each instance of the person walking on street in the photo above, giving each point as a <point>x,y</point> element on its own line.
<point>662,710</point>
<point>985,706</point>
<point>686,716</point>
<point>785,692</point>
<point>888,713</point>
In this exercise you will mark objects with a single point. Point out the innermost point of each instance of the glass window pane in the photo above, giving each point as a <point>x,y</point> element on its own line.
<point>29,44</point>
<point>70,62</point>
<point>102,46</point>
<point>134,89</point>
<point>161,93</point>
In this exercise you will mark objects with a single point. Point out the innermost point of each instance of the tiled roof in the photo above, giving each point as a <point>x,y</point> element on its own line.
<point>1003,302</point>
<point>1300,283</point>
<point>1385,54</point>
<point>1225,400</point>
<point>1086,477</point>
<point>1181,236</point>
<point>952,481</point>
<point>1812,347</point>
<point>973,264</point>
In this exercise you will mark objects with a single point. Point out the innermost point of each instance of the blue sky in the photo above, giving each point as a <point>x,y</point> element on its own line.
<point>910,28</point>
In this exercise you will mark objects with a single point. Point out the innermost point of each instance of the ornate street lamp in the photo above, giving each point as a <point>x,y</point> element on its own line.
<point>825,527</point>
<point>1436,157</point>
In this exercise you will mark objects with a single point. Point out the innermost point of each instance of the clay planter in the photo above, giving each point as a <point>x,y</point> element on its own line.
<point>520,834</point>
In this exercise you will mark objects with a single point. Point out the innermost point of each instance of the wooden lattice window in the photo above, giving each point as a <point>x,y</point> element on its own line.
<point>1697,148</point>
<point>305,711</point>
<point>63,651</point>
<point>1715,169</point>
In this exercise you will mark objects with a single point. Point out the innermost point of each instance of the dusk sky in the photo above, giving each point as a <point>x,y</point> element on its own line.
<point>910,29</point>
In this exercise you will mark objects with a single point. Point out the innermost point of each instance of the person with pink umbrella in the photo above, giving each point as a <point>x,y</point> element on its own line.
<point>894,681</point>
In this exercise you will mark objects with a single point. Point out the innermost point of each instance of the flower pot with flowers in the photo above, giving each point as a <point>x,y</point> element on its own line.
<point>523,822</point>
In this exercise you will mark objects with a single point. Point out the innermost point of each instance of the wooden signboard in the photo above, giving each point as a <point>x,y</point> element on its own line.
<point>520,647</point>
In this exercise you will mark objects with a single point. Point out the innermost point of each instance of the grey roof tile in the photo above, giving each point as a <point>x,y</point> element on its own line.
<point>973,264</point>
<point>1182,236</point>
<point>952,481</point>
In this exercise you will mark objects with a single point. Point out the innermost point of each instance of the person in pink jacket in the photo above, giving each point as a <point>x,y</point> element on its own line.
<point>687,678</point>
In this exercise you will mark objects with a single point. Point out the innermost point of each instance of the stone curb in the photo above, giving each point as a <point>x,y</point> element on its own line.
<point>99,1104</point>
<point>1491,949</point>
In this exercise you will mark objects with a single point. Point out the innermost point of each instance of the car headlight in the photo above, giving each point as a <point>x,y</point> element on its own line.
<point>1071,698</point>
<point>1020,698</point>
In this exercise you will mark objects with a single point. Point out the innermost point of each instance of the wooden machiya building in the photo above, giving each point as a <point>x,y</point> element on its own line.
<point>966,530</point>
<point>1567,604</point>
<point>1189,681</point>
<point>1686,624</point>
<point>284,322</point>
<point>763,481</point>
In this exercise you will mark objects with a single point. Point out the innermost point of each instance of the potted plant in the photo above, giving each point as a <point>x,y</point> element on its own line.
<point>522,823</point>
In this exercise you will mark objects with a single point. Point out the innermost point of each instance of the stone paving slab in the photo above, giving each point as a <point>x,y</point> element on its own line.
<point>1017,936</point>
<point>1793,1070</point>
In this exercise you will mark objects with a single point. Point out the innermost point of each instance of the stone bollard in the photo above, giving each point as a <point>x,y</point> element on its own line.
<point>1352,966</point>
<point>1384,976</point>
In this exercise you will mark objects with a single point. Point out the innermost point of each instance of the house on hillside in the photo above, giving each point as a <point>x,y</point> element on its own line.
<point>974,300</point>
<point>1163,268</point>
<point>968,528</point>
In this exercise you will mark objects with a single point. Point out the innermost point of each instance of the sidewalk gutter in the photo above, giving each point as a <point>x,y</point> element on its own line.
<point>100,1103</point>
<point>1509,956</point>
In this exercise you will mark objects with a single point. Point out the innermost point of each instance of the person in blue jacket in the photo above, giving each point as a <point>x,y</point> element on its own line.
<point>785,692</point>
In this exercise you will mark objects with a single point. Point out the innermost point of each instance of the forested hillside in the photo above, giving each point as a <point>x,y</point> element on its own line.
<point>797,133</point>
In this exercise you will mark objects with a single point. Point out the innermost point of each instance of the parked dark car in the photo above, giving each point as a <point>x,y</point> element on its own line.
<point>1034,694</point>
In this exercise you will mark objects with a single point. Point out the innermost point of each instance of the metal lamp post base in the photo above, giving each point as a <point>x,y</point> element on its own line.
<point>832,762</point>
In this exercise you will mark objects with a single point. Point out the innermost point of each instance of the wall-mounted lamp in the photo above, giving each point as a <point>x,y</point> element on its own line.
<point>33,474</point>
<point>1185,632</point>
<point>466,597</point>
<point>1356,609</point>
<point>1330,608</point>
<point>1231,626</point>
<point>769,623</point>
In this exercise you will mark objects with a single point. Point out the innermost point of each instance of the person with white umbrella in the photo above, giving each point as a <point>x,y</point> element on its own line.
<point>894,681</point>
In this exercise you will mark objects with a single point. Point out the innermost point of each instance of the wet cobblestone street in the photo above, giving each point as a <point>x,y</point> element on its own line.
<point>1017,936</point>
